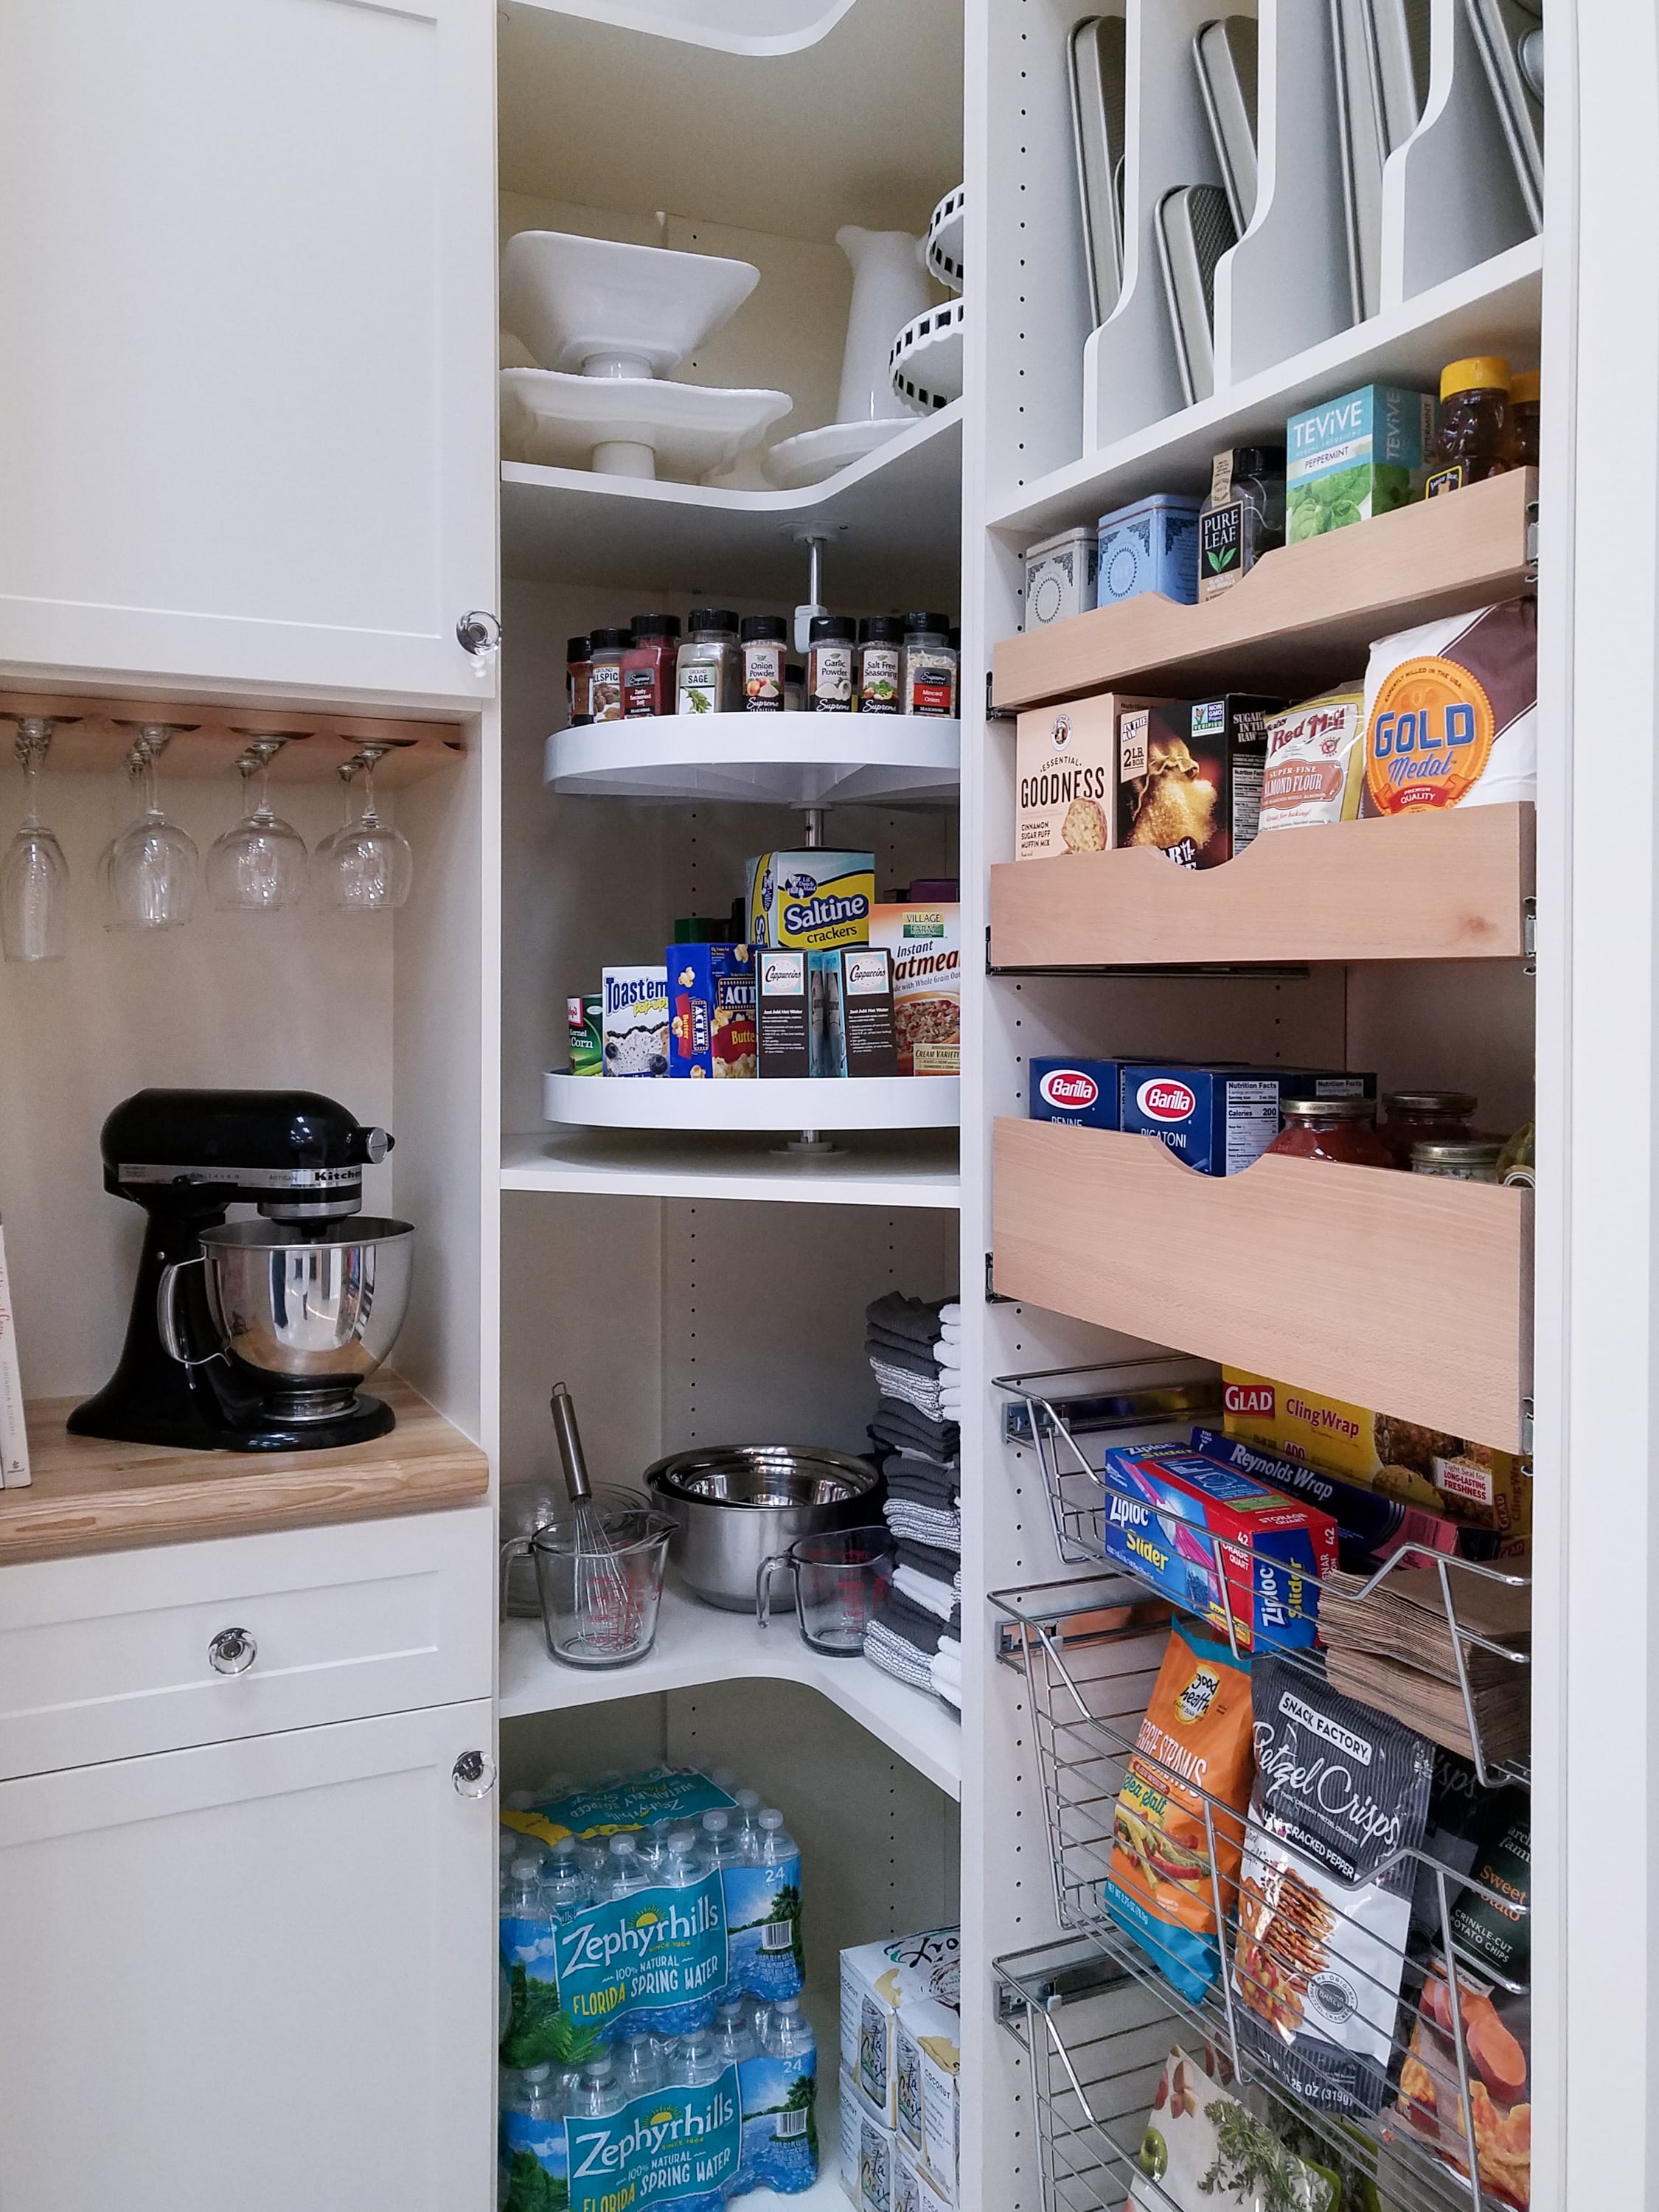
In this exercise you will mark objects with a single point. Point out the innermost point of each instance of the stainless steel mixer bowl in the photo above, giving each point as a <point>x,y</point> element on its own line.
<point>737,1504</point>
<point>309,1311</point>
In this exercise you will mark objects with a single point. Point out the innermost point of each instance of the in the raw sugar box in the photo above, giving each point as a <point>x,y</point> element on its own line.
<point>1355,457</point>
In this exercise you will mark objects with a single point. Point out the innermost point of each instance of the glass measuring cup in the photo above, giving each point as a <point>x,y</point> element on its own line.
<point>840,1580</point>
<point>599,1576</point>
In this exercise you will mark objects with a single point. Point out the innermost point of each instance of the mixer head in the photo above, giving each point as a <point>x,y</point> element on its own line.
<point>294,1154</point>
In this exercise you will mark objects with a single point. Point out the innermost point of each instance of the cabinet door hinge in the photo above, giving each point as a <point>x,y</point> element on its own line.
<point>1529,933</point>
<point>1532,541</point>
<point>1526,1424</point>
<point>993,1296</point>
<point>993,712</point>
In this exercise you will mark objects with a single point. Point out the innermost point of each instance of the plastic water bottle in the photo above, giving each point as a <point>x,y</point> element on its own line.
<point>792,2035</point>
<point>680,1869</point>
<point>733,2039</point>
<point>599,2094</point>
<point>533,2105</point>
<point>697,2062</point>
<point>748,1832</point>
<point>564,1884</point>
<point>524,1891</point>
<point>790,2161</point>
<point>720,1847</point>
<point>639,2068</point>
<point>623,1874</point>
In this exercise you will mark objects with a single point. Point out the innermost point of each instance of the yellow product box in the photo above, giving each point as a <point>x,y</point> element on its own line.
<point>810,898</point>
<point>1466,1482</point>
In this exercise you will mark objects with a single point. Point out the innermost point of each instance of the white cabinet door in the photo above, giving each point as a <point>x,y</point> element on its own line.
<point>247,282</point>
<point>259,1975</point>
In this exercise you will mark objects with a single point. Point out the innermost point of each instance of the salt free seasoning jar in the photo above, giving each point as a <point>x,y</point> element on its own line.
<point>881,664</point>
<point>605,660</point>
<point>1465,1159</point>
<point>647,666</point>
<point>1475,440</point>
<point>1331,1129</point>
<point>930,666</point>
<point>831,672</point>
<point>579,681</point>
<point>1411,1116</point>
<point>765,642</point>
<point>708,674</point>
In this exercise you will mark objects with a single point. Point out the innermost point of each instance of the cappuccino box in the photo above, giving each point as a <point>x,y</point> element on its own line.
<point>782,1028</point>
<point>851,1013</point>
<point>1084,1094</point>
<point>1219,1119</point>
<point>1162,1507</point>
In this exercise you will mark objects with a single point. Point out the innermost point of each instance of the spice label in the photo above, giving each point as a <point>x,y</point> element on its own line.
<point>879,680</point>
<point>831,679</point>
<point>700,688</point>
<point>762,678</point>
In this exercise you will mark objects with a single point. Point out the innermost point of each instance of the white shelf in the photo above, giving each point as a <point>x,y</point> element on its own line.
<point>1494,309</point>
<point>896,1168</point>
<point>684,1105</point>
<point>771,760</point>
<point>894,520</point>
<point>697,1644</point>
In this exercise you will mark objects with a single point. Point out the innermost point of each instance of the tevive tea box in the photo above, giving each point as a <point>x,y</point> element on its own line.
<point>1355,457</point>
<point>1189,776</point>
<point>711,1010</point>
<point>810,898</point>
<point>878,1983</point>
<point>929,2061</point>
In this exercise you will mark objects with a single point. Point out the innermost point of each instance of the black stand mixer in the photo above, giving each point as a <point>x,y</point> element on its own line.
<point>251,1335</point>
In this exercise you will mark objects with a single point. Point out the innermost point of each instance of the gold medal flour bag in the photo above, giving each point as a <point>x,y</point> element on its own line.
<point>1451,713</point>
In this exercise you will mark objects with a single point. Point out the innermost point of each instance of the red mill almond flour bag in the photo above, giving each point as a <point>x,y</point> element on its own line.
<point>1451,713</point>
<point>1312,773</point>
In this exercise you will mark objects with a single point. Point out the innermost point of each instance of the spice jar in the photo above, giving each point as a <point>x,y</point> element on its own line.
<point>1523,417</point>
<point>709,671</point>
<point>1244,516</point>
<point>930,666</point>
<point>830,665</point>
<point>794,689</point>
<point>1474,440</point>
<point>1331,1129</point>
<point>881,664</point>
<point>577,680</point>
<point>1464,1159</point>
<point>647,666</point>
<point>765,640</point>
<point>604,686</point>
<point>1409,1116</point>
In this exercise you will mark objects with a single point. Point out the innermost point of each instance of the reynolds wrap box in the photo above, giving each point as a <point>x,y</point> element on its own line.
<point>1353,458</point>
<point>1369,1527</point>
<point>851,1011</point>
<point>1221,1119</point>
<point>783,1038</point>
<point>878,1983</point>
<point>929,2064</point>
<point>1084,1094</point>
<point>711,1010</point>
<point>1162,1507</point>
<point>810,898</point>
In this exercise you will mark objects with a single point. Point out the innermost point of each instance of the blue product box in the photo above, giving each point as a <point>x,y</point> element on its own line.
<point>1370,1527</point>
<point>711,1010</point>
<point>1084,1093</point>
<point>1151,546</point>
<point>1219,1119</point>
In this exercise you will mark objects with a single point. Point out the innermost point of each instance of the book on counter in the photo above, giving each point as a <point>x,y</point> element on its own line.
<point>14,1436</point>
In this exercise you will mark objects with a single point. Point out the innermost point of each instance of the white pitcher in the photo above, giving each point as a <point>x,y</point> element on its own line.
<point>890,285</point>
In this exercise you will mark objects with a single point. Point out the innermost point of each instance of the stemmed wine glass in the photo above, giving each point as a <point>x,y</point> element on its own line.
<point>258,867</point>
<point>148,872</point>
<point>34,875</point>
<point>367,866</point>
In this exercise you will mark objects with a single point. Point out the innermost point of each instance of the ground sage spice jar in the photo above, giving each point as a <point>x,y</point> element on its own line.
<point>710,670</point>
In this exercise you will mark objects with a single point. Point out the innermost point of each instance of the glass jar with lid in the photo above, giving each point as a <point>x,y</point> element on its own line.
<point>1244,516</point>
<point>604,686</point>
<point>930,666</point>
<point>1515,1163</point>
<point>1475,439</point>
<point>708,670</point>
<point>881,664</point>
<point>648,666</point>
<point>1409,1116</point>
<point>1524,417</point>
<point>765,642</point>
<point>831,669</point>
<point>1331,1129</point>
<point>1463,1159</point>
<point>579,681</point>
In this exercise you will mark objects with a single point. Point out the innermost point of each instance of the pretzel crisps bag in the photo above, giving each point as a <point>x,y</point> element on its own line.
<point>1162,1887</point>
<point>1451,713</point>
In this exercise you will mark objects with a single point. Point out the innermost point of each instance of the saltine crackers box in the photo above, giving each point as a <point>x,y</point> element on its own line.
<point>810,898</point>
<point>1066,768</point>
<point>878,1981</point>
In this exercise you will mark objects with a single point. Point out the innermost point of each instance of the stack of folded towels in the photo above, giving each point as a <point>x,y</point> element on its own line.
<point>915,1352</point>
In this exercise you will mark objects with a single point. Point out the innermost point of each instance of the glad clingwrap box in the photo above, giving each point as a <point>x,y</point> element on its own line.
<point>810,898</point>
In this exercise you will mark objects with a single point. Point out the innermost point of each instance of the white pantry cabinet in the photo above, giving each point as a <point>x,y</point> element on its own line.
<point>247,392</point>
<point>258,1974</point>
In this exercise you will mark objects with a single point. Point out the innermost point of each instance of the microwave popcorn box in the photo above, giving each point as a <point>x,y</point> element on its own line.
<point>1189,776</point>
<point>1084,1094</point>
<point>1451,713</point>
<point>1060,577</point>
<point>810,898</point>
<point>1160,1510</point>
<point>929,2062</point>
<point>925,942</point>
<point>878,1982</point>
<point>1065,761</point>
<point>869,2153</point>
<point>1151,546</point>
<point>783,1037</point>
<point>1219,1120</point>
<point>851,1011</point>
<point>1353,458</point>
<point>1313,770</point>
<point>1469,1482</point>
<point>711,1010</point>
<point>634,1020</point>
<point>917,2189</point>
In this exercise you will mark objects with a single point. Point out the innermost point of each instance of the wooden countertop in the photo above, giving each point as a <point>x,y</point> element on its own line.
<point>91,1495</point>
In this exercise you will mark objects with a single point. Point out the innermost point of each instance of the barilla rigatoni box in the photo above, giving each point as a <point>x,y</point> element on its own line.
<point>929,2068</point>
<point>1066,775</point>
<point>851,1011</point>
<point>783,1033</point>
<point>925,945</point>
<point>1472,1483</point>
<point>634,1020</point>
<point>711,1010</point>
<point>869,2153</point>
<point>810,898</point>
<point>1219,1120</point>
<point>878,1981</point>
<point>1355,457</point>
<point>1163,1506</point>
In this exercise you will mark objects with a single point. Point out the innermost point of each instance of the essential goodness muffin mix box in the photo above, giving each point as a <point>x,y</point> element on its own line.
<point>1066,762</point>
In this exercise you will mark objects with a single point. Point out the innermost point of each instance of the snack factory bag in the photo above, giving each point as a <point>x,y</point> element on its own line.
<point>1162,1887</point>
<point>1451,713</point>
<point>1320,1947</point>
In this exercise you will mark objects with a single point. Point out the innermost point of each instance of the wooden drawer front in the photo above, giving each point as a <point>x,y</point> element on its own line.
<point>107,1657</point>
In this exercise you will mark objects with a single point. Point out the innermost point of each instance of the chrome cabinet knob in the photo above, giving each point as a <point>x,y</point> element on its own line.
<point>232,1651</point>
<point>480,635</point>
<point>473,1774</point>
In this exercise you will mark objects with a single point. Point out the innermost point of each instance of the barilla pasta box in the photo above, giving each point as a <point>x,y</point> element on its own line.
<point>633,1019</point>
<point>879,1982</point>
<point>1084,1094</point>
<point>1471,1483</point>
<point>1369,1527</point>
<point>810,898</point>
<point>851,1011</point>
<point>783,1037</point>
<point>1218,1119</point>
<point>929,2061</point>
<point>1163,1508</point>
<point>925,941</point>
<point>711,1010</point>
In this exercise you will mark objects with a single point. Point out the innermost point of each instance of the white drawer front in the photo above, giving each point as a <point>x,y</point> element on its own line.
<point>108,1656</point>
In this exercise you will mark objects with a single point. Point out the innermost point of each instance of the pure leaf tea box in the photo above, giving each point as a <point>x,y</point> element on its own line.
<point>1189,777</point>
<point>633,1019</point>
<point>711,1020</point>
<point>782,1034</point>
<point>852,1011</point>
<point>1355,457</point>
<point>1065,765</point>
<point>878,1983</point>
<point>812,897</point>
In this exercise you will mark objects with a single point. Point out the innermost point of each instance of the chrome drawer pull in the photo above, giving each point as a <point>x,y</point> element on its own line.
<point>232,1651</point>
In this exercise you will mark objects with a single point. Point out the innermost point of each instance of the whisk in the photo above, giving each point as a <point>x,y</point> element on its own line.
<point>606,1606</point>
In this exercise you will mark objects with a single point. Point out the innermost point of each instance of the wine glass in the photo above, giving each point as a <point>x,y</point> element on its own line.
<point>34,874</point>
<point>148,872</point>
<point>366,866</point>
<point>258,867</point>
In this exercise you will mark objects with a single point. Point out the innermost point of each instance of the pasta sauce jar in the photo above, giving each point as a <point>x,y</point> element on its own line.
<point>1463,1159</point>
<point>1410,1117</point>
<point>1331,1129</point>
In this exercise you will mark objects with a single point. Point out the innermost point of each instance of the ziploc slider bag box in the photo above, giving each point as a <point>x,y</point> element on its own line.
<point>1355,457</point>
<point>1161,1508</point>
<point>810,898</point>
<point>878,1981</point>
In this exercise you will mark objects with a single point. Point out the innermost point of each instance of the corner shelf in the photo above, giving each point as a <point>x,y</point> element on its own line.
<point>1438,884</point>
<point>697,1644</point>
<point>889,1168</point>
<point>1410,1295</point>
<point>771,760</point>
<point>684,1105</point>
<point>1305,614</point>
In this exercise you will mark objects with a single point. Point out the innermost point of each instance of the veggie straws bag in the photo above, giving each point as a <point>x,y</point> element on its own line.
<point>1162,1887</point>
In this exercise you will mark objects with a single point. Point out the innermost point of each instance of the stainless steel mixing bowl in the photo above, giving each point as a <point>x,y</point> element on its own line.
<point>737,1504</point>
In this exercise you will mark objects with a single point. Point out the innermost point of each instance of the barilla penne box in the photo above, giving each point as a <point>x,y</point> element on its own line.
<point>810,898</point>
<point>1163,1507</point>
<point>1082,1094</point>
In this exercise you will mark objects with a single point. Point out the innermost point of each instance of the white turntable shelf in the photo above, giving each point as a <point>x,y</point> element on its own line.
<point>772,760</point>
<point>677,1103</point>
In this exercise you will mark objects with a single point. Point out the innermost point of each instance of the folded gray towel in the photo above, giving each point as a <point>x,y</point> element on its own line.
<point>898,1423</point>
<point>916,1319</point>
<point>896,1383</point>
<point>928,1560</point>
<point>895,1656</point>
<point>899,1617</point>
<point>910,1359</point>
<point>942,1530</point>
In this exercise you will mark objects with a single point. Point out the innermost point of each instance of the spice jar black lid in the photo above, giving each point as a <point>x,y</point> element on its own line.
<point>930,624</point>
<point>832,630</point>
<point>610,638</point>
<point>656,626</point>
<point>881,629</point>
<point>578,648</point>
<point>769,629</point>
<point>711,618</point>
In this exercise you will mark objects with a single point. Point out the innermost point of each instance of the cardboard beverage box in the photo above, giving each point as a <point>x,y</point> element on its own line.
<point>1189,777</point>
<point>782,1034</point>
<point>1220,1120</point>
<point>929,2068</point>
<point>878,1982</point>
<point>1355,457</point>
<point>634,1020</point>
<point>1066,775</point>
<point>917,2190</point>
<point>925,941</point>
<point>869,2153</point>
<point>852,1011</point>
<point>1084,1094</point>
<point>711,1018</point>
<point>811,898</point>
<point>1162,1507</point>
